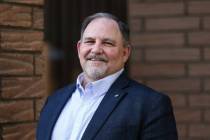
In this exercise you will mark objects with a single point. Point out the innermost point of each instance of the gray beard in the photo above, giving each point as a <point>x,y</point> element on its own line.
<point>94,73</point>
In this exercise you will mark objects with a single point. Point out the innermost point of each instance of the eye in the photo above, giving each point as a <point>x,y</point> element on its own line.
<point>89,42</point>
<point>109,44</point>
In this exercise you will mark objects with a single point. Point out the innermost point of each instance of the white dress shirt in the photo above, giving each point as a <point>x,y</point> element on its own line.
<point>80,108</point>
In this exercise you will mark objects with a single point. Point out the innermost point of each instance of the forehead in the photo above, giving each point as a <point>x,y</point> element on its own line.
<point>102,27</point>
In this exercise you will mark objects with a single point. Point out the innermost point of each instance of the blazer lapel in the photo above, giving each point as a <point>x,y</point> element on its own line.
<point>56,109</point>
<point>108,104</point>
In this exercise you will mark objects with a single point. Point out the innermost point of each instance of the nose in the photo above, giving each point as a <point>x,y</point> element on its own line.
<point>97,48</point>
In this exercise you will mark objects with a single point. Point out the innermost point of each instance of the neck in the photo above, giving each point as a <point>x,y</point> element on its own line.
<point>87,80</point>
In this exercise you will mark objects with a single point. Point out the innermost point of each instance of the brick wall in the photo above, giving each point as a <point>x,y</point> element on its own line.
<point>171,53</point>
<point>21,68</point>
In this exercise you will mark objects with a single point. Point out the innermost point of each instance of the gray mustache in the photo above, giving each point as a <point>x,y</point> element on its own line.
<point>97,57</point>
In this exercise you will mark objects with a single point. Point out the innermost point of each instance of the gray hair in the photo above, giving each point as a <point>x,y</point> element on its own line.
<point>122,26</point>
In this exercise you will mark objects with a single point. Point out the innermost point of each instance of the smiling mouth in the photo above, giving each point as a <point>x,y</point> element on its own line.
<point>100,59</point>
<point>93,59</point>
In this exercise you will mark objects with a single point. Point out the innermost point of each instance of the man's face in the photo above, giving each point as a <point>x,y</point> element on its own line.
<point>101,49</point>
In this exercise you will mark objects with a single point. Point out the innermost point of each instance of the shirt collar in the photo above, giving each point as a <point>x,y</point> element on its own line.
<point>99,87</point>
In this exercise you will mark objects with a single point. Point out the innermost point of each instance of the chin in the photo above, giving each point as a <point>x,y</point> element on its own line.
<point>96,73</point>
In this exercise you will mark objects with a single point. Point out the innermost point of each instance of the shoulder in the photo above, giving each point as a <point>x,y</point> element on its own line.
<point>63,91</point>
<point>146,95</point>
<point>138,92</point>
<point>150,101</point>
<point>140,89</point>
<point>59,95</point>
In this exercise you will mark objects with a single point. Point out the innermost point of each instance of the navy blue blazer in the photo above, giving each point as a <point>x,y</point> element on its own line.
<point>128,111</point>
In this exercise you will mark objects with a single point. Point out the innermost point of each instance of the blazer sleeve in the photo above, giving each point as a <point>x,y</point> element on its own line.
<point>159,122</point>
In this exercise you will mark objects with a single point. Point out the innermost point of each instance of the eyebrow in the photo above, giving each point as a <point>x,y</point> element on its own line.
<point>104,39</point>
<point>88,38</point>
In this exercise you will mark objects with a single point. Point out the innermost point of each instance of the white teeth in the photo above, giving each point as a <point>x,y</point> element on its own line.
<point>93,59</point>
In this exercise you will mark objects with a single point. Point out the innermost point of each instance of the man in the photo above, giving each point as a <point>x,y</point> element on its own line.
<point>104,104</point>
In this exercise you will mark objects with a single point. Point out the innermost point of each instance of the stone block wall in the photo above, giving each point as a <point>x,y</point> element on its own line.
<point>171,53</point>
<point>22,86</point>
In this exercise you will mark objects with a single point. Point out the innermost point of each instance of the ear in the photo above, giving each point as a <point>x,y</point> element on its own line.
<point>126,52</point>
<point>78,46</point>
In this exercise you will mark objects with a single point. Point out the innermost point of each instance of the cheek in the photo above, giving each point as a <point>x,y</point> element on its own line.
<point>83,52</point>
<point>114,56</point>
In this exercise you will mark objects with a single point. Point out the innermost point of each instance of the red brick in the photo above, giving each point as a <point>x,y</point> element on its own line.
<point>199,38</point>
<point>199,130</point>
<point>178,100</point>
<point>155,9</point>
<point>19,132</point>
<point>200,69</point>
<point>15,111</point>
<point>207,53</point>
<point>176,84</point>
<point>199,100</point>
<point>136,55</point>
<point>207,116</point>
<point>34,2</point>
<point>187,115</point>
<point>199,7</point>
<point>40,62</point>
<point>157,39</point>
<point>135,25</point>
<point>15,15</point>
<point>180,54</point>
<point>16,64</point>
<point>148,70</point>
<point>182,23</point>
<point>207,22</point>
<point>38,17</point>
<point>22,40</point>
<point>207,84</point>
<point>22,87</point>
